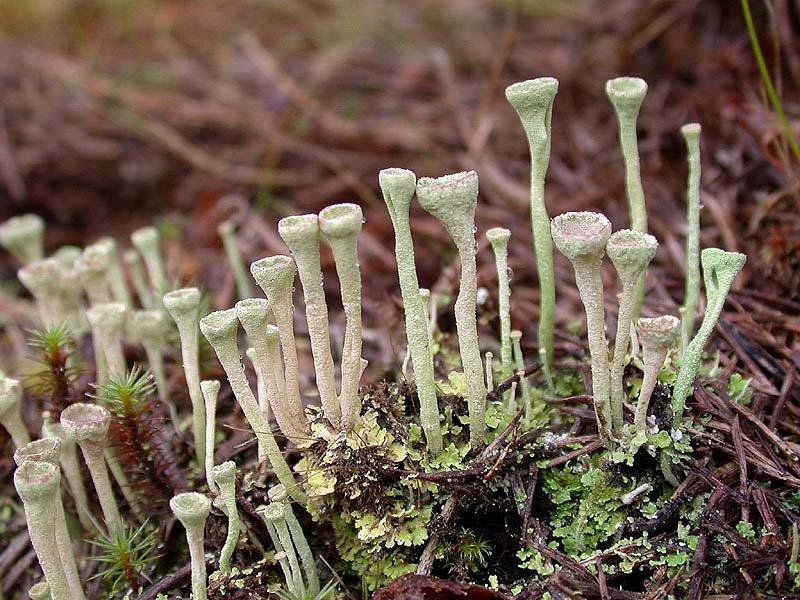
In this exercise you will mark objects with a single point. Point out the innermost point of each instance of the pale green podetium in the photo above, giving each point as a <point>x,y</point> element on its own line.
<point>116,276</point>
<point>519,359</point>
<point>133,261</point>
<point>210,389</point>
<point>220,329</point>
<point>225,478</point>
<point>691,134</point>
<point>498,238</point>
<point>656,335</point>
<point>87,424</point>
<point>630,252</point>
<point>192,510</point>
<point>261,393</point>
<point>148,242</point>
<point>582,237</point>
<point>275,275</point>
<point>340,225</point>
<point>277,493</point>
<point>10,415</point>
<point>626,95</point>
<point>227,233</point>
<point>274,515</point>
<point>533,101</point>
<point>93,269</point>
<point>301,234</point>
<point>108,321</point>
<point>150,329</point>
<point>43,278</point>
<point>452,199</point>
<point>398,187</point>
<point>183,306</point>
<point>38,486</point>
<point>48,450</point>
<point>23,236</point>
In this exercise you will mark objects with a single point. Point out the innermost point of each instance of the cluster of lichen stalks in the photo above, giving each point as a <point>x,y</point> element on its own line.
<point>58,284</point>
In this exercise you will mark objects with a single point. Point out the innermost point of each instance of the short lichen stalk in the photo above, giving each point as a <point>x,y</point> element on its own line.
<point>10,415</point>
<point>691,134</point>
<point>224,476</point>
<point>301,234</point>
<point>533,101</point>
<point>498,238</point>
<point>519,364</point>
<point>87,424</point>
<point>227,233</point>
<point>192,510</point>
<point>210,390</point>
<point>37,484</point>
<point>656,336</point>
<point>148,242</point>
<point>452,199</point>
<point>44,281</point>
<point>133,261</point>
<point>626,95</point>
<point>183,305</point>
<point>630,252</point>
<point>275,275</point>
<point>274,516</point>
<point>116,276</point>
<point>278,494</point>
<point>23,236</point>
<point>108,323</point>
<point>582,237</point>
<point>340,225</point>
<point>220,329</point>
<point>93,268</point>
<point>48,450</point>
<point>398,187</point>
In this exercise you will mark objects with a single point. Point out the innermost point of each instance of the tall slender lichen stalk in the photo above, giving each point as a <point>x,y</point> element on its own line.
<point>225,478</point>
<point>133,261</point>
<point>150,328</point>
<point>582,237</point>
<point>210,389</point>
<point>23,236</point>
<point>48,450</point>
<point>277,493</point>
<point>227,233</point>
<point>192,509</point>
<point>630,252</point>
<point>719,270</point>
<point>261,394</point>
<point>519,360</point>
<point>183,305</point>
<point>87,424</point>
<point>148,242</point>
<point>71,468</point>
<point>498,238</point>
<point>275,275</point>
<point>253,314</point>
<point>452,199</point>
<point>220,329</point>
<point>10,415</point>
<point>274,515</point>
<point>108,321</point>
<point>398,187</point>
<point>626,95</point>
<point>38,485</point>
<point>340,225</point>
<point>281,555</point>
<point>44,281</point>
<point>533,101</point>
<point>301,234</point>
<point>657,336</point>
<point>116,276</point>
<point>691,134</point>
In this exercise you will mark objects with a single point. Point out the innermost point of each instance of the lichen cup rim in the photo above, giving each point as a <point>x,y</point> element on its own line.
<point>580,233</point>
<point>47,449</point>
<point>82,421</point>
<point>34,480</point>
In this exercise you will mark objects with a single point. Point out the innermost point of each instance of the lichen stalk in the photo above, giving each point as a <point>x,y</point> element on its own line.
<point>227,233</point>
<point>275,275</point>
<point>301,234</point>
<point>626,95</point>
<point>23,236</point>
<point>225,478</point>
<point>116,276</point>
<point>210,390</point>
<point>498,238</point>
<point>253,314</point>
<point>340,225</point>
<point>656,336</point>
<point>133,262</point>
<point>183,305</point>
<point>37,484</point>
<point>44,281</point>
<point>93,268</point>
<point>150,328</point>
<point>192,510</point>
<point>630,252</point>
<point>582,237</point>
<point>519,359</point>
<point>87,424</point>
<point>261,395</point>
<point>71,290</point>
<point>452,199</point>
<point>148,242</point>
<point>691,134</point>
<point>533,101</point>
<point>48,450</point>
<point>275,513</point>
<point>398,186</point>
<point>10,415</point>
<point>281,555</point>
<point>220,330</point>
<point>108,321</point>
<point>277,493</point>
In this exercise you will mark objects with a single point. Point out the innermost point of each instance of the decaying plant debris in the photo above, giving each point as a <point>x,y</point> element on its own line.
<point>543,508</point>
